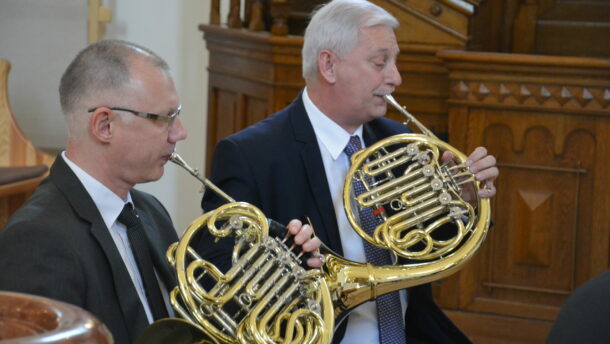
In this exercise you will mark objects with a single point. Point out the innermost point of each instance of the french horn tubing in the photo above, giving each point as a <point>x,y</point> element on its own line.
<point>267,297</point>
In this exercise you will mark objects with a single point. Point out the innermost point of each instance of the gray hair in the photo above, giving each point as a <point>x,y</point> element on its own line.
<point>101,66</point>
<point>336,26</point>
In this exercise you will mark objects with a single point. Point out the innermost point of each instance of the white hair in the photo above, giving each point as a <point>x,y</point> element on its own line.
<point>336,26</point>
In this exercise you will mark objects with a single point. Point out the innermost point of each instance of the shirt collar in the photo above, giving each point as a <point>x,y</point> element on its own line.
<point>329,133</point>
<point>107,202</point>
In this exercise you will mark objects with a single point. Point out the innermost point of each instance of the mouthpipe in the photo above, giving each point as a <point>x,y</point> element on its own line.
<point>177,159</point>
<point>410,118</point>
<point>275,228</point>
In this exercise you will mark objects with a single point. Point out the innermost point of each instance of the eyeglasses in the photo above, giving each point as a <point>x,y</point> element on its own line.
<point>153,116</point>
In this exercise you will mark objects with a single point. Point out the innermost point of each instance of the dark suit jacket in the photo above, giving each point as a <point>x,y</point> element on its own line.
<point>58,246</point>
<point>585,315</point>
<point>276,165</point>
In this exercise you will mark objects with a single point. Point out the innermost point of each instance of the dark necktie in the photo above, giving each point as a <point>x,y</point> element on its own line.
<point>141,252</point>
<point>389,310</point>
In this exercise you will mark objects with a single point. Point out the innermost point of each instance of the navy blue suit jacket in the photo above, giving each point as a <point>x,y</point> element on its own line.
<point>276,165</point>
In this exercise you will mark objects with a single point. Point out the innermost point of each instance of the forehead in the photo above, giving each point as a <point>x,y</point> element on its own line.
<point>377,39</point>
<point>145,72</point>
<point>151,84</point>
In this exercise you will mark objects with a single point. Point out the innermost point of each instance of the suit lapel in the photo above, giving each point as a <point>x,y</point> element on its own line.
<point>77,196</point>
<point>314,169</point>
<point>368,135</point>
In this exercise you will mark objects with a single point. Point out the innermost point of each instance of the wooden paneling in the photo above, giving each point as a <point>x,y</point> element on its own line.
<point>441,23</point>
<point>547,120</point>
<point>251,75</point>
<point>490,329</point>
<point>550,27</point>
<point>561,26</point>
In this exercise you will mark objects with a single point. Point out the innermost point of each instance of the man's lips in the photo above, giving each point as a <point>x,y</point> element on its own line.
<point>383,93</point>
<point>166,157</point>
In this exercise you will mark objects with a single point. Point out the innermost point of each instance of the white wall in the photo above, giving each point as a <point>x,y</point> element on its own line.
<point>169,28</point>
<point>41,37</point>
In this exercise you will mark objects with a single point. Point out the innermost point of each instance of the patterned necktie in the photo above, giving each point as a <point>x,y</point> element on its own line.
<point>139,247</point>
<point>389,310</point>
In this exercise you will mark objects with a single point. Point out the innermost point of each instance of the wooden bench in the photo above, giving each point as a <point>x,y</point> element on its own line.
<point>22,165</point>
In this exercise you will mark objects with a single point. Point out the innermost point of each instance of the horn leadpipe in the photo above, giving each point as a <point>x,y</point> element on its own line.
<point>177,159</point>
<point>410,117</point>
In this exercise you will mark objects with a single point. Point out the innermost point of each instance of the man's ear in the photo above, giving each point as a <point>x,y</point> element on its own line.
<point>326,66</point>
<point>101,124</point>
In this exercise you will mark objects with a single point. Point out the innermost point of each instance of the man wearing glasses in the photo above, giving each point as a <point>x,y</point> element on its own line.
<point>86,237</point>
<point>69,241</point>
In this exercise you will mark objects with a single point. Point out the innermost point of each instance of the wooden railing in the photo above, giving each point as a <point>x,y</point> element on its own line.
<point>272,15</point>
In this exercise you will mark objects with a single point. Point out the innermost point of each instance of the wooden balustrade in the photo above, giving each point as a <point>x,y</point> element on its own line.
<point>279,17</point>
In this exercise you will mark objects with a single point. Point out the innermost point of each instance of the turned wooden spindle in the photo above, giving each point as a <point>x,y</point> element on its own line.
<point>215,12</point>
<point>234,15</point>
<point>247,12</point>
<point>257,20</point>
<point>280,11</point>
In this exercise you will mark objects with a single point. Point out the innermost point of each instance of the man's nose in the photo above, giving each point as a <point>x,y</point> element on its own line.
<point>393,75</point>
<point>177,131</point>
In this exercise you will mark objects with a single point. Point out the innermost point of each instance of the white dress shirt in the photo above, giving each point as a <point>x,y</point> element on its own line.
<point>110,206</point>
<point>362,326</point>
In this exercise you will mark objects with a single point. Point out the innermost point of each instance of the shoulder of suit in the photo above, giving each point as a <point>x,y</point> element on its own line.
<point>273,125</point>
<point>46,212</point>
<point>46,202</point>
<point>144,198</point>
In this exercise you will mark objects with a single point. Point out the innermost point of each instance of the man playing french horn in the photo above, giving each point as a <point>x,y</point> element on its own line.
<point>294,164</point>
<point>86,236</point>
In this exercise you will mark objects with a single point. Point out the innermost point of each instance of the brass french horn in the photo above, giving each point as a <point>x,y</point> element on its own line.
<point>266,297</point>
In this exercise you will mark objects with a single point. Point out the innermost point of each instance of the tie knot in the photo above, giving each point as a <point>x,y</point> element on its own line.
<point>128,216</point>
<point>352,146</point>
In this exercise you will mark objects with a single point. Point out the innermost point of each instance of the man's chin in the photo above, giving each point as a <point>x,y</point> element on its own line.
<point>153,177</point>
<point>379,111</point>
